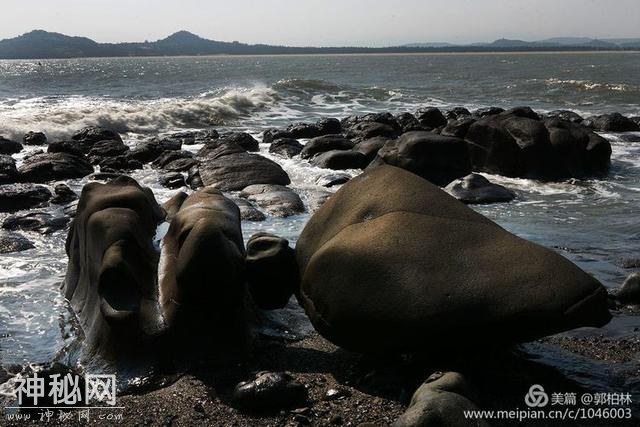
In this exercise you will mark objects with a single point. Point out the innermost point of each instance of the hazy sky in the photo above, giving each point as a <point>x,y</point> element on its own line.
<point>324,22</point>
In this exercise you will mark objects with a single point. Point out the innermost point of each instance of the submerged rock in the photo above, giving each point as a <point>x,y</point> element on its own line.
<point>390,257</point>
<point>42,222</point>
<point>272,271</point>
<point>15,197</point>
<point>278,200</point>
<point>269,391</point>
<point>172,180</point>
<point>14,242</point>
<point>474,189</point>
<point>333,179</point>
<point>442,400</point>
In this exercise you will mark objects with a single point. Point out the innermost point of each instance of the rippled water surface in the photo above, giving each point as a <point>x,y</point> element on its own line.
<point>592,222</point>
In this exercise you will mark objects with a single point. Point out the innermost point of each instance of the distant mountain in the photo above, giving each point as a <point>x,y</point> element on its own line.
<point>43,44</point>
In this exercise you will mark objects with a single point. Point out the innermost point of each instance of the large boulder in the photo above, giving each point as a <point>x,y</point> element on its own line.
<point>105,149</point>
<point>271,134</point>
<point>408,122</point>
<point>439,159</point>
<point>325,143</point>
<point>370,147</point>
<point>229,167</point>
<point>431,118</point>
<point>14,242</point>
<point>131,298</point>
<point>515,143</point>
<point>175,161</point>
<point>278,200</point>
<point>54,167</point>
<point>243,139</point>
<point>475,189</point>
<point>8,146</point>
<point>566,115</point>
<point>614,122</point>
<point>15,197</point>
<point>391,263</point>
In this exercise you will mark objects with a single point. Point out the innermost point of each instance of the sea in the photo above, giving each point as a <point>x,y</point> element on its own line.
<point>594,222</point>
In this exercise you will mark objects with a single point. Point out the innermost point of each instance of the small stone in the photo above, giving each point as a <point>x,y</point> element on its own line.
<point>269,391</point>
<point>337,393</point>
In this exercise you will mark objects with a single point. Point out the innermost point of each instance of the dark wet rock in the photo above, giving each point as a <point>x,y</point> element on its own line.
<point>94,134</point>
<point>149,150</point>
<point>175,161</point>
<point>442,400</point>
<point>629,292</point>
<point>524,112</point>
<point>248,212</point>
<point>14,242</point>
<point>42,222</point>
<point>439,159</point>
<point>431,118</point>
<point>70,209</point>
<point>15,197</point>
<point>242,139</point>
<point>383,118</point>
<point>325,143</point>
<point>195,137</point>
<point>106,149</point>
<point>278,200</point>
<point>54,167</point>
<point>229,168</point>
<point>370,147</point>
<point>340,160</point>
<point>119,288</point>
<point>369,129</point>
<point>614,122</point>
<point>457,113</point>
<point>119,164</point>
<point>360,249</point>
<point>408,122</point>
<point>8,146</point>
<point>329,126</point>
<point>63,194</point>
<point>566,115</point>
<point>635,119</point>
<point>514,144</point>
<point>270,135</point>
<point>34,138</point>
<point>172,180</point>
<point>70,147</point>
<point>8,169</point>
<point>269,391</point>
<point>476,189</point>
<point>303,130</point>
<point>286,147</point>
<point>193,178</point>
<point>458,128</point>
<point>488,111</point>
<point>333,179</point>
<point>272,271</point>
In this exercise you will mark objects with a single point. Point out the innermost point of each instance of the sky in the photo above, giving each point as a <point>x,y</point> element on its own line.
<point>325,22</point>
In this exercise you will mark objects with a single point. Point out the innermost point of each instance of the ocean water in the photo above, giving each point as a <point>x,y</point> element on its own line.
<point>592,222</point>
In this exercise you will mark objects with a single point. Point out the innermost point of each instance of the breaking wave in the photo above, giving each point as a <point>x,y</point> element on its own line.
<point>59,117</point>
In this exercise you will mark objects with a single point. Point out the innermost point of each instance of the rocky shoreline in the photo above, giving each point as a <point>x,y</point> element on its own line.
<point>373,268</point>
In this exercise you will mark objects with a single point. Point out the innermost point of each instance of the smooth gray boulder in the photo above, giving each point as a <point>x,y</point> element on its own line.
<point>391,263</point>
<point>277,200</point>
